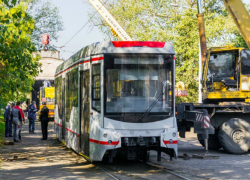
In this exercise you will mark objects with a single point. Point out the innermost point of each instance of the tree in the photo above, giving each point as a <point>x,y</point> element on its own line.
<point>47,20</point>
<point>18,67</point>
<point>156,20</point>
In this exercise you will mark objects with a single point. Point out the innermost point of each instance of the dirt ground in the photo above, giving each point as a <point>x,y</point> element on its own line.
<point>38,159</point>
<point>50,159</point>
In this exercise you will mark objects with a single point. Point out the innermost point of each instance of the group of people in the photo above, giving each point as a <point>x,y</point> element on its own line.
<point>15,115</point>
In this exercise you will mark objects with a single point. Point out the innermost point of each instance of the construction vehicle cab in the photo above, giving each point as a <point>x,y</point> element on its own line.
<point>226,75</point>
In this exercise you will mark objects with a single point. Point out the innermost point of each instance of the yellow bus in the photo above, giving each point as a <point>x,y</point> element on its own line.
<point>47,94</point>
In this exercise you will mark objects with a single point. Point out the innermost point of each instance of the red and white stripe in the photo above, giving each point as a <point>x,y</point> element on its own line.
<point>181,93</point>
<point>206,122</point>
<point>199,117</point>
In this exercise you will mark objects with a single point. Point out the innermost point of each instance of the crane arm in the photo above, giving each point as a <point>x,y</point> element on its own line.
<point>113,24</point>
<point>240,16</point>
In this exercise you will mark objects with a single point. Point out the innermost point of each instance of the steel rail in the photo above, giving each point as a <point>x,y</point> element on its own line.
<point>150,164</point>
<point>101,168</point>
<point>167,170</point>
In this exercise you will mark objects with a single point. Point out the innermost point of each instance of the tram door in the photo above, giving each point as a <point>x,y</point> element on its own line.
<point>85,100</point>
<point>63,107</point>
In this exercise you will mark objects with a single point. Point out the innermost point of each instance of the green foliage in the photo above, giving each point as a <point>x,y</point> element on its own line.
<point>18,67</point>
<point>2,129</point>
<point>157,20</point>
<point>47,20</point>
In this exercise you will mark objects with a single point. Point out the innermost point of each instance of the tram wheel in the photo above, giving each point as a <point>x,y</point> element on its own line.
<point>146,156</point>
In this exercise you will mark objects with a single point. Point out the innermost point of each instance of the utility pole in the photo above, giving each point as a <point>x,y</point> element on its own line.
<point>202,44</point>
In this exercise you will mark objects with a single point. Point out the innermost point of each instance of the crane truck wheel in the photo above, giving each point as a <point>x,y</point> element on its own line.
<point>234,136</point>
<point>213,141</point>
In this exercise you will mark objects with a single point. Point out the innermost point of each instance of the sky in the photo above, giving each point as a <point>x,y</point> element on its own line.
<point>74,15</point>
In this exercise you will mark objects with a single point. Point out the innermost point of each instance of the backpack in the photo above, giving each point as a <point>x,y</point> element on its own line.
<point>30,113</point>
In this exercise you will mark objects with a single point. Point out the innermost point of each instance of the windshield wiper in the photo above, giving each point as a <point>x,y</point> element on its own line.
<point>150,108</point>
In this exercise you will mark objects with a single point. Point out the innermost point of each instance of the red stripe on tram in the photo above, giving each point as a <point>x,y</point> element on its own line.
<point>72,131</point>
<point>103,142</point>
<point>93,59</point>
<point>152,44</point>
<point>58,124</point>
<point>168,142</point>
<point>84,62</point>
<point>97,59</point>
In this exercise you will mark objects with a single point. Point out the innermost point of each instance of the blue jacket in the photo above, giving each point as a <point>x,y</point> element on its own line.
<point>32,112</point>
<point>7,113</point>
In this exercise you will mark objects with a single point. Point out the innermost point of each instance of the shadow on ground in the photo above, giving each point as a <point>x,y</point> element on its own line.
<point>49,159</point>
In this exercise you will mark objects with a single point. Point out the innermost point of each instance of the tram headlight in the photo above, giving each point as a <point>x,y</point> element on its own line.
<point>105,135</point>
<point>109,141</point>
<point>174,134</point>
<point>171,141</point>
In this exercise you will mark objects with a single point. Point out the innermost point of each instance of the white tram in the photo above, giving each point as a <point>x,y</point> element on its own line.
<point>117,99</point>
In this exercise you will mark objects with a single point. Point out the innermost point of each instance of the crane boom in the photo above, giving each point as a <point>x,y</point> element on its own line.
<point>113,24</point>
<point>240,16</point>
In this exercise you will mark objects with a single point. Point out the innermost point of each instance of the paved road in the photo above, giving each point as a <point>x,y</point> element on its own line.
<point>229,166</point>
<point>52,160</point>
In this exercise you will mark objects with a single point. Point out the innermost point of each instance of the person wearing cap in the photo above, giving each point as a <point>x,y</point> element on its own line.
<point>17,118</point>
<point>32,117</point>
<point>44,120</point>
<point>7,120</point>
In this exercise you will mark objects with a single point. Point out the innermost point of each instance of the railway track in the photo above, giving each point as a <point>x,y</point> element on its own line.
<point>107,168</point>
<point>101,168</point>
<point>168,170</point>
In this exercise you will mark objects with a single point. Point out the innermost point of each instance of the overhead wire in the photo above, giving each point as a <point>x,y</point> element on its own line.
<point>84,24</point>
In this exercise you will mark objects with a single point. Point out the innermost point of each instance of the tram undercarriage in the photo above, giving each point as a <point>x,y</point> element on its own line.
<point>134,148</point>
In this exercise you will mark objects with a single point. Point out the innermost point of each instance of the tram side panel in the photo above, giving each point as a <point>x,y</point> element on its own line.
<point>58,107</point>
<point>72,110</point>
<point>101,140</point>
<point>96,142</point>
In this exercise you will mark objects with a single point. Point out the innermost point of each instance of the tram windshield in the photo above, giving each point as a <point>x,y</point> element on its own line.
<point>139,84</point>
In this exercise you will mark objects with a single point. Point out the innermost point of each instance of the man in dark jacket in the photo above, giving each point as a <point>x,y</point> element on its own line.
<point>32,117</point>
<point>44,120</point>
<point>7,120</point>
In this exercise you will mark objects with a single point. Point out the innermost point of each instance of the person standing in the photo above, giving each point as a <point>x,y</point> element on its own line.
<point>24,108</point>
<point>32,117</point>
<point>7,120</point>
<point>17,117</point>
<point>44,120</point>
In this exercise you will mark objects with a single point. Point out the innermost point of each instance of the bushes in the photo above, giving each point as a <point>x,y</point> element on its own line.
<point>2,128</point>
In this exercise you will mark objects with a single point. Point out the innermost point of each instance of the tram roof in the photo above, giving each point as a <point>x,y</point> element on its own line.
<point>118,47</point>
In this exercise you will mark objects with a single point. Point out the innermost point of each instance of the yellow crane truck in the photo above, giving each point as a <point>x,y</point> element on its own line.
<point>225,91</point>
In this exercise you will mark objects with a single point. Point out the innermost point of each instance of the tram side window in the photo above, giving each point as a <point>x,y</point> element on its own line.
<point>71,92</point>
<point>96,87</point>
<point>58,95</point>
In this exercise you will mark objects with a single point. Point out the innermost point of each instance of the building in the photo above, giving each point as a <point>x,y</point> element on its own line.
<point>50,60</point>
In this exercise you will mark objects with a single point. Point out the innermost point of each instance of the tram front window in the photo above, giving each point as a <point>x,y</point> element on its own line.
<point>139,84</point>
